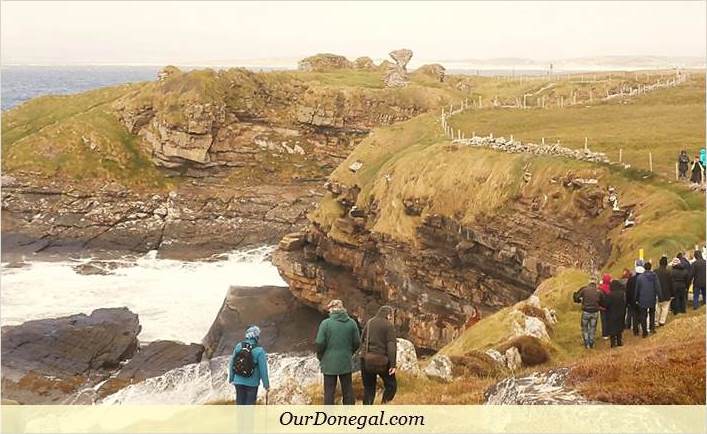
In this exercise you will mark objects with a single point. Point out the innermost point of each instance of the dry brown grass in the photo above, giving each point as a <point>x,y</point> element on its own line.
<point>531,349</point>
<point>475,363</point>
<point>668,368</point>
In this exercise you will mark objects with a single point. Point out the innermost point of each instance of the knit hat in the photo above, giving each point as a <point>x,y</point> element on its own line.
<point>639,266</point>
<point>335,306</point>
<point>253,332</point>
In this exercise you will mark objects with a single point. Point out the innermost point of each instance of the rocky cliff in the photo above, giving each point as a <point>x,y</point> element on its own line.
<point>446,234</point>
<point>193,163</point>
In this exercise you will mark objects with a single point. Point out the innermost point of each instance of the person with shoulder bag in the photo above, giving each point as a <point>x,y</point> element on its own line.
<point>378,356</point>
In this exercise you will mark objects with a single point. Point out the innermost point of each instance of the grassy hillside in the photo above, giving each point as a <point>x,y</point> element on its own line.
<point>663,122</point>
<point>412,159</point>
<point>83,137</point>
<point>76,137</point>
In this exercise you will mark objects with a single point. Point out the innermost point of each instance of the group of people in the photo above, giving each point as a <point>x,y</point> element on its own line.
<point>696,169</point>
<point>338,339</point>
<point>640,300</point>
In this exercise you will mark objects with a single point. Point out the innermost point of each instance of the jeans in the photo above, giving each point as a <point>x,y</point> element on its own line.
<point>589,327</point>
<point>696,291</point>
<point>346,389</point>
<point>647,320</point>
<point>680,301</point>
<point>390,386</point>
<point>246,395</point>
<point>662,313</point>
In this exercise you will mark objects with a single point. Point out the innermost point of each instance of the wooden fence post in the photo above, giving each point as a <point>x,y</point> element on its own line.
<point>677,176</point>
<point>621,155</point>
<point>586,144</point>
<point>650,160</point>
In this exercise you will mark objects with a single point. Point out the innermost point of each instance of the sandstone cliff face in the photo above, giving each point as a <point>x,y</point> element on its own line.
<point>450,274</point>
<point>202,120</point>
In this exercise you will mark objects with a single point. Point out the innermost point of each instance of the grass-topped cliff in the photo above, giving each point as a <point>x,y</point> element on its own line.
<point>409,173</point>
<point>231,119</point>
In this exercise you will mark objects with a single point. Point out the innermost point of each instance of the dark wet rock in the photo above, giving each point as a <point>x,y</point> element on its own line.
<point>52,360</point>
<point>286,324</point>
<point>158,357</point>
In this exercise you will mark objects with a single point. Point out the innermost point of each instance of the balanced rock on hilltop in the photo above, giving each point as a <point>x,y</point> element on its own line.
<point>324,62</point>
<point>397,75</point>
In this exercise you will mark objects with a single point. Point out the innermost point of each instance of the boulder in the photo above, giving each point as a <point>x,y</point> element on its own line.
<point>407,357</point>
<point>434,70</point>
<point>531,326</point>
<point>439,367</point>
<point>497,356</point>
<point>401,56</point>
<point>286,324</point>
<point>51,360</point>
<point>538,388</point>
<point>513,359</point>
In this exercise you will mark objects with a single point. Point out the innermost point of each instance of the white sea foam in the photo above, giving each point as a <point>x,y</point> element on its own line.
<point>175,300</point>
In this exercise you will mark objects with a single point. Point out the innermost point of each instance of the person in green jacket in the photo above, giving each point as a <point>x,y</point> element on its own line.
<point>247,387</point>
<point>337,340</point>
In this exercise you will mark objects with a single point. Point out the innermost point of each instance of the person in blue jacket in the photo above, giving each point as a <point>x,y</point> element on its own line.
<point>247,387</point>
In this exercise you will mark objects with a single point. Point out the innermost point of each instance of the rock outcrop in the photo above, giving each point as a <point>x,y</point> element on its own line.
<point>245,153</point>
<point>286,325</point>
<point>326,62</point>
<point>434,70</point>
<point>207,382</point>
<point>538,388</point>
<point>54,360</point>
<point>199,221</point>
<point>364,63</point>
<point>397,75</point>
<point>454,274</point>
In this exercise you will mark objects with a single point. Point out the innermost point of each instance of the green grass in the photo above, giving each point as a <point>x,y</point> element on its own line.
<point>663,122</point>
<point>65,150</point>
<point>31,116</point>
<point>341,78</point>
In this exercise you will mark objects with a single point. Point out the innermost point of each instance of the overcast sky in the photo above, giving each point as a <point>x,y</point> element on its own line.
<point>223,33</point>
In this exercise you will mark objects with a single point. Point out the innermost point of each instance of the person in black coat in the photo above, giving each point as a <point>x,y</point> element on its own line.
<point>615,304</point>
<point>697,171</point>
<point>698,279</point>
<point>666,294</point>
<point>632,311</point>
<point>680,280</point>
